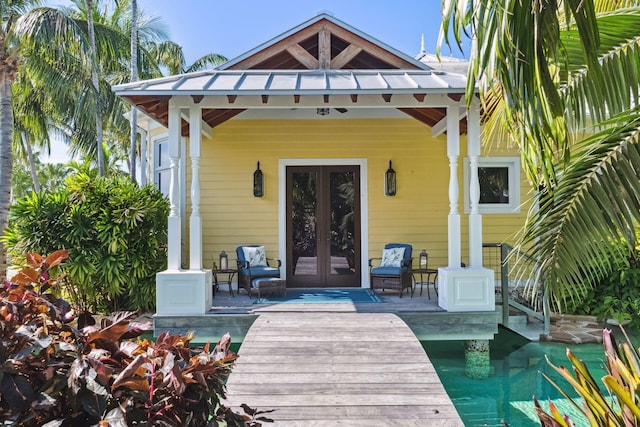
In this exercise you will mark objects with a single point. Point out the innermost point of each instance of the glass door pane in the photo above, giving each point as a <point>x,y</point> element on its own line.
<point>342,215</point>
<point>304,223</point>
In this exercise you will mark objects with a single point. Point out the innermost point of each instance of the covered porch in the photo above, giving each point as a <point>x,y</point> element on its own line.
<point>264,104</point>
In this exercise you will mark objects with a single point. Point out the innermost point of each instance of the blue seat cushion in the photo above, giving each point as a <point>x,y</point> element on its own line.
<point>257,280</point>
<point>386,271</point>
<point>262,271</point>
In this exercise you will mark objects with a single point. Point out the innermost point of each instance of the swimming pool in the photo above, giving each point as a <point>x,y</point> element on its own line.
<point>514,379</point>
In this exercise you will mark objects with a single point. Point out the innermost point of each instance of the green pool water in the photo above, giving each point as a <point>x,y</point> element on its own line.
<point>514,379</point>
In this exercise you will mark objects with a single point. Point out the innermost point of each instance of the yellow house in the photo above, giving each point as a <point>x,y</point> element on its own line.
<point>322,112</point>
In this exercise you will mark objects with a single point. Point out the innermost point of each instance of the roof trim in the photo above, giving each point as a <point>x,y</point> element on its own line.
<point>299,82</point>
<point>317,18</point>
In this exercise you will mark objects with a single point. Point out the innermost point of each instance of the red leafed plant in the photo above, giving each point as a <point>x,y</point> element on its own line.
<point>56,375</point>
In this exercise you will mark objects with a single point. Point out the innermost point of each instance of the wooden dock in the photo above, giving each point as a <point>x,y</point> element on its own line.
<point>348,369</point>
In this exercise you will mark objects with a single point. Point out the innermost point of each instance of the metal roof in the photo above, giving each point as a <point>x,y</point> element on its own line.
<point>329,17</point>
<point>299,82</point>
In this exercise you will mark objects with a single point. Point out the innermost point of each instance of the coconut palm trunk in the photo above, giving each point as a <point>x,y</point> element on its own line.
<point>32,162</point>
<point>134,77</point>
<point>96,87</point>
<point>6,157</point>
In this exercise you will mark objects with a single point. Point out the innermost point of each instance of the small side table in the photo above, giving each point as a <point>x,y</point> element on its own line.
<point>431,277</point>
<point>229,279</point>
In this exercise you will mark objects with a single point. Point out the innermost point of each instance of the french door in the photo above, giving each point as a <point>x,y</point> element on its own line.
<point>323,226</point>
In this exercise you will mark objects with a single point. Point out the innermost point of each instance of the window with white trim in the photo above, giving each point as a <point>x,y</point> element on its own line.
<point>161,165</point>
<point>499,179</point>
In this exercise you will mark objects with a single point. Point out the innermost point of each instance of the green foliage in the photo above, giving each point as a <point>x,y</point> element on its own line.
<point>115,233</point>
<point>617,296</point>
<point>618,406</point>
<point>53,374</point>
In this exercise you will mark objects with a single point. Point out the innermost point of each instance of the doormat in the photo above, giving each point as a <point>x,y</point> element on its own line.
<point>321,296</point>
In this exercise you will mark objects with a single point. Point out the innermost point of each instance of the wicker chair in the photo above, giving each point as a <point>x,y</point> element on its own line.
<point>254,265</point>
<point>393,270</point>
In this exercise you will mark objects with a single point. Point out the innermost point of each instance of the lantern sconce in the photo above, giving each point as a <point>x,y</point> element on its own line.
<point>224,261</point>
<point>258,182</point>
<point>390,181</point>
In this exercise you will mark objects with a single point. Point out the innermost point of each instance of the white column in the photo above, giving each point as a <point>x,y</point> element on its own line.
<point>464,289</point>
<point>453,152</point>
<point>174,235</point>
<point>195,222</point>
<point>475,219</point>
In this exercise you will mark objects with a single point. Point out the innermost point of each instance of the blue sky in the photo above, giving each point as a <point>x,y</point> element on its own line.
<point>233,27</point>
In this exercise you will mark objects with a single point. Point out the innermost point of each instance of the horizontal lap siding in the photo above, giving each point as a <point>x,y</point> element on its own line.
<point>416,215</point>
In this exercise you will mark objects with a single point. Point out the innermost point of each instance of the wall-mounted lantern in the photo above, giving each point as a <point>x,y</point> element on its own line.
<point>258,182</point>
<point>390,181</point>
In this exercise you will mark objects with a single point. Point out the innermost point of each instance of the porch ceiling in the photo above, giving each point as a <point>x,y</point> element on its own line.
<point>223,94</point>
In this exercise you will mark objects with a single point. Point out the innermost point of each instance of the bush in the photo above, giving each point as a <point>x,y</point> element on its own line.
<point>616,296</point>
<point>114,230</point>
<point>55,375</point>
<point>620,406</point>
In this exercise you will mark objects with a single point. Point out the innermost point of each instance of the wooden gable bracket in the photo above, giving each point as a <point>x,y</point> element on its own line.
<point>296,99</point>
<point>345,56</point>
<point>231,98</point>
<point>265,98</point>
<point>303,57</point>
<point>419,96</point>
<point>197,98</point>
<point>354,98</point>
<point>386,97</point>
<point>326,99</point>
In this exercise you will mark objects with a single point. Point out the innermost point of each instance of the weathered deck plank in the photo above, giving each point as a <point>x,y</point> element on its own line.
<point>326,369</point>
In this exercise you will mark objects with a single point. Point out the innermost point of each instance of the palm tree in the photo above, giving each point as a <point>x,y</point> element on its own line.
<point>9,64</point>
<point>93,62</point>
<point>564,77</point>
<point>170,55</point>
<point>60,50</point>
<point>134,78</point>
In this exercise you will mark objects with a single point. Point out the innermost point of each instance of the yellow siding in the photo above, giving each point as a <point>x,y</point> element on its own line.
<point>416,215</point>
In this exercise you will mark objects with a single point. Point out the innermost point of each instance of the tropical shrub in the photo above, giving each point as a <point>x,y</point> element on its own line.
<point>619,406</point>
<point>53,374</point>
<point>114,230</point>
<point>616,296</point>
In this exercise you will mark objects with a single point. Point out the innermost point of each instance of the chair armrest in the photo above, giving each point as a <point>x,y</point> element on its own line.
<point>243,264</point>
<point>273,259</point>
<point>371,261</point>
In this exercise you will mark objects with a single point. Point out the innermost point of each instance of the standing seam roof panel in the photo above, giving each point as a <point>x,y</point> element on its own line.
<point>372,81</point>
<point>315,81</point>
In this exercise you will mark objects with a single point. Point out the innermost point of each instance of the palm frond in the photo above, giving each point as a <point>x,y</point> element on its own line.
<point>210,60</point>
<point>596,200</point>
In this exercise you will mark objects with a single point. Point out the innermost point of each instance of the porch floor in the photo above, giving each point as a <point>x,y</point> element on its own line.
<point>224,303</point>
<point>424,317</point>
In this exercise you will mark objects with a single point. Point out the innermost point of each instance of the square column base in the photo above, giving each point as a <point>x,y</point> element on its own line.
<point>466,289</point>
<point>183,292</point>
